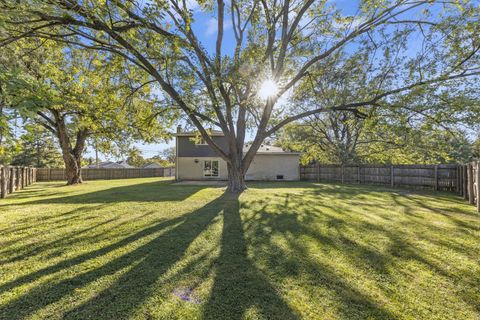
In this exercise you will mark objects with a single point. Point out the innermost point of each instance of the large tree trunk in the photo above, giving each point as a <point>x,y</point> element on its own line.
<point>236,179</point>
<point>71,156</point>
<point>72,168</point>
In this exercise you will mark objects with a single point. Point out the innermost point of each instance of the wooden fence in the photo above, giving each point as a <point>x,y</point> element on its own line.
<point>47,174</point>
<point>15,178</point>
<point>469,183</point>
<point>437,177</point>
<point>461,179</point>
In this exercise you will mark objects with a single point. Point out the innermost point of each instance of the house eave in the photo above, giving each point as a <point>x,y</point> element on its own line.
<point>192,134</point>
<point>279,153</point>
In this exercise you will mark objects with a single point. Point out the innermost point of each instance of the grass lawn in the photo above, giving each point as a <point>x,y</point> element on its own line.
<point>147,249</point>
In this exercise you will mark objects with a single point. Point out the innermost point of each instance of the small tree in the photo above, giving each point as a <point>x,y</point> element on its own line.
<point>169,155</point>
<point>37,149</point>
<point>135,158</point>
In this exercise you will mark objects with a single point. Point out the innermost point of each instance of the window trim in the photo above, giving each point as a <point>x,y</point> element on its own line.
<point>210,173</point>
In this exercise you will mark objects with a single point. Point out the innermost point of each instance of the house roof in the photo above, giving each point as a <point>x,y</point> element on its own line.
<point>215,133</point>
<point>111,165</point>
<point>152,165</point>
<point>268,149</point>
<point>264,148</point>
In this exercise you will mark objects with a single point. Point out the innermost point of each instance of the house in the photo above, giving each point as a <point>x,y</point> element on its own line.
<point>110,165</point>
<point>196,160</point>
<point>152,165</point>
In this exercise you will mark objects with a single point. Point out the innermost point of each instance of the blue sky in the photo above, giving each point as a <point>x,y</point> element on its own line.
<point>206,29</point>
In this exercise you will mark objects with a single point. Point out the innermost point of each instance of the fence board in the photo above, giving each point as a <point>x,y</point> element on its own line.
<point>471,196</point>
<point>475,185</point>
<point>439,177</point>
<point>49,174</point>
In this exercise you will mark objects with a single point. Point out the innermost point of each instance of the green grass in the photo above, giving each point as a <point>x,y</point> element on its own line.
<point>127,249</point>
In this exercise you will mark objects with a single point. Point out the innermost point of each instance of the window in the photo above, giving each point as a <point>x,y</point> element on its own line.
<point>210,168</point>
<point>279,176</point>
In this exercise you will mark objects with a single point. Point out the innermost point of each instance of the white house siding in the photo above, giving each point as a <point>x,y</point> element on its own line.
<point>268,166</point>
<point>263,167</point>
<point>187,169</point>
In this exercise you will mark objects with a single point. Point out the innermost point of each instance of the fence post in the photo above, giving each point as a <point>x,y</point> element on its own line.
<point>358,175</point>
<point>318,172</point>
<point>459,189</point>
<point>436,178</point>
<point>22,178</point>
<point>470,184</point>
<point>478,186</point>
<point>12,179</point>
<point>457,182</point>
<point>17,178</point>
<point>465,182</point>
<point>343,174</point>
<point>3,182</point>
<point>7,179</point>
<point>392,175</point>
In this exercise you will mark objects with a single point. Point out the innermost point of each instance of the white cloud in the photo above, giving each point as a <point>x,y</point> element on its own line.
<point>192,5</point>
<point>212,26</point>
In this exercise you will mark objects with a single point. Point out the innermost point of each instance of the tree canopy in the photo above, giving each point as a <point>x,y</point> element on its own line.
<point>79,95</point>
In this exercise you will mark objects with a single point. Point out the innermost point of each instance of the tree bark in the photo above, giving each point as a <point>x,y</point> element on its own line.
<point>72,168</point>
<point>236,179</point>
<point>71,156</point>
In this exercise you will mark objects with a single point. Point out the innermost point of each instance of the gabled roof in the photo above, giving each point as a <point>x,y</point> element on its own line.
<point>111,165</point>
<point>264,148</point>
<point>152,165</point>
<point>268,149</point>
<point>215,133</point>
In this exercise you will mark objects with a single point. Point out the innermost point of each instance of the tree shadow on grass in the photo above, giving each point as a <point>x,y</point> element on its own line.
<point>294,222</point>
<point>62,243</point>
<point>239,285</point>
<point>148,262</point>
<point>248,286</point>
<point>284,221</point>
<point>36,190</point>
<point>143,192</point>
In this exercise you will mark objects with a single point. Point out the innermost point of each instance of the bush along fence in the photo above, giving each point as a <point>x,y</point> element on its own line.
<point>47,174</point>
<point>461,179</point>
<point>15,178</point>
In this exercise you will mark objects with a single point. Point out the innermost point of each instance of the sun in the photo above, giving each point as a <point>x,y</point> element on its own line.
<point>268,89</point>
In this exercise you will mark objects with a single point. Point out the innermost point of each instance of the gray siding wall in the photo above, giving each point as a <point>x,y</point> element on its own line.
<point>263,167</point>
<point>188,148</point>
